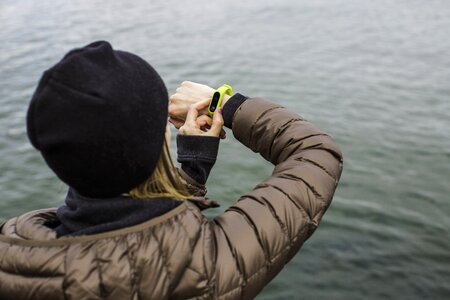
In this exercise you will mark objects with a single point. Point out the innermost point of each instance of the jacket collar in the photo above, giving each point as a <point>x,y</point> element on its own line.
<point>84,215</point>
<point>37,226</point>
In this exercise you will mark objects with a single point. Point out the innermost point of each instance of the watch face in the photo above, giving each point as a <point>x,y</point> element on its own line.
<point>214,101</point>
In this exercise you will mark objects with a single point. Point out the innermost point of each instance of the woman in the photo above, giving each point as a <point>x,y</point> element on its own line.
<point>132,227</point>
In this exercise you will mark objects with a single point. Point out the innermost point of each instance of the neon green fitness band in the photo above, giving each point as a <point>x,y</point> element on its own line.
<point>216,100</point>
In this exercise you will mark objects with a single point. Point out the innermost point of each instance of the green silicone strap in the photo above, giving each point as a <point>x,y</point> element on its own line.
<point>222,90</point>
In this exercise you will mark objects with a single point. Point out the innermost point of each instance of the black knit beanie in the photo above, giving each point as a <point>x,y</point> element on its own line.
<point>98,117</point>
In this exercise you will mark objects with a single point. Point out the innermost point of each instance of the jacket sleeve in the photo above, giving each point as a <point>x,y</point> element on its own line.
<point>195,188</point>
<point>197,155</point>
<point>258,235</point>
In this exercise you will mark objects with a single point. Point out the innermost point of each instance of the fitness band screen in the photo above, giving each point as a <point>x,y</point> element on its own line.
<point>214,102</point>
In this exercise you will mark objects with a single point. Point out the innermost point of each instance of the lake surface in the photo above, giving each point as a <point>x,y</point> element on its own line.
<point>373,74</point>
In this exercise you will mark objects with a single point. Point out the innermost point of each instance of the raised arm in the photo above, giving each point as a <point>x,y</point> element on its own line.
<point>258,235</point>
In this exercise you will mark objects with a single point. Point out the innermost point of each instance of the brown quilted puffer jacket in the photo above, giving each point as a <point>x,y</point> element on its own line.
<point>182,254</point>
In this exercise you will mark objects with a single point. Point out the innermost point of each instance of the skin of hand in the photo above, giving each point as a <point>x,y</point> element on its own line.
<point>196,124</point>
<point>187,94</point>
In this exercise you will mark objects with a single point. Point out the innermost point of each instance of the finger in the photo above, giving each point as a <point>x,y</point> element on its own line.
<point>217,123</point>
<point>203,110</point>
<point>186,130</point>
<point>192,114</point>
<point>201,104</point>
<point>204,120</point>
<point>182,130</point>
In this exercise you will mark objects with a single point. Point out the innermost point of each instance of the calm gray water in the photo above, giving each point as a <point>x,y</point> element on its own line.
<point>373,74</point>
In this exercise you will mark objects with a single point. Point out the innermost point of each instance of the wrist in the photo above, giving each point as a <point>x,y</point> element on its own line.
<point>225,99</point>
<point>228,111</point>
<point>218,98</point>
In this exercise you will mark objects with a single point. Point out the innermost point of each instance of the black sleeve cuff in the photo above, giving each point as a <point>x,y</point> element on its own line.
<point>197,155</point>
<point>230,108</point>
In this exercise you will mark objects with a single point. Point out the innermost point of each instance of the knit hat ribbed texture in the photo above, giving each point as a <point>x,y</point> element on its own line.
<point>98,117</point>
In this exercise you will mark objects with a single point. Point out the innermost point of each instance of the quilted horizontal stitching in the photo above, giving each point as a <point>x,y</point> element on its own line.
<point>280,130</point>
<point>257,272</point>
<point>276,217</point>
<point>317,165</point>
<point>33,276</point>
<point>259,118</point>
<point>319,146</point>
<point>296,178</point>
<point>253,226</point>
<point>301,208</point>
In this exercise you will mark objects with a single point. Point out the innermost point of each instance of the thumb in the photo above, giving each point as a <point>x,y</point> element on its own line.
<point>217,123</point>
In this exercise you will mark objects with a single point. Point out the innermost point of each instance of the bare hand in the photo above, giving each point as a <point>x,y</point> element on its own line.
<point>187,94</point>
<point>202,125</point>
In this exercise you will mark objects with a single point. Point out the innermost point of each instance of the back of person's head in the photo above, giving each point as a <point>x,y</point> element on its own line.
<point>98,117</point>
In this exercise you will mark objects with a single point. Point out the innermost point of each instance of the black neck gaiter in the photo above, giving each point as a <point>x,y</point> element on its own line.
<point>83,215</point>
